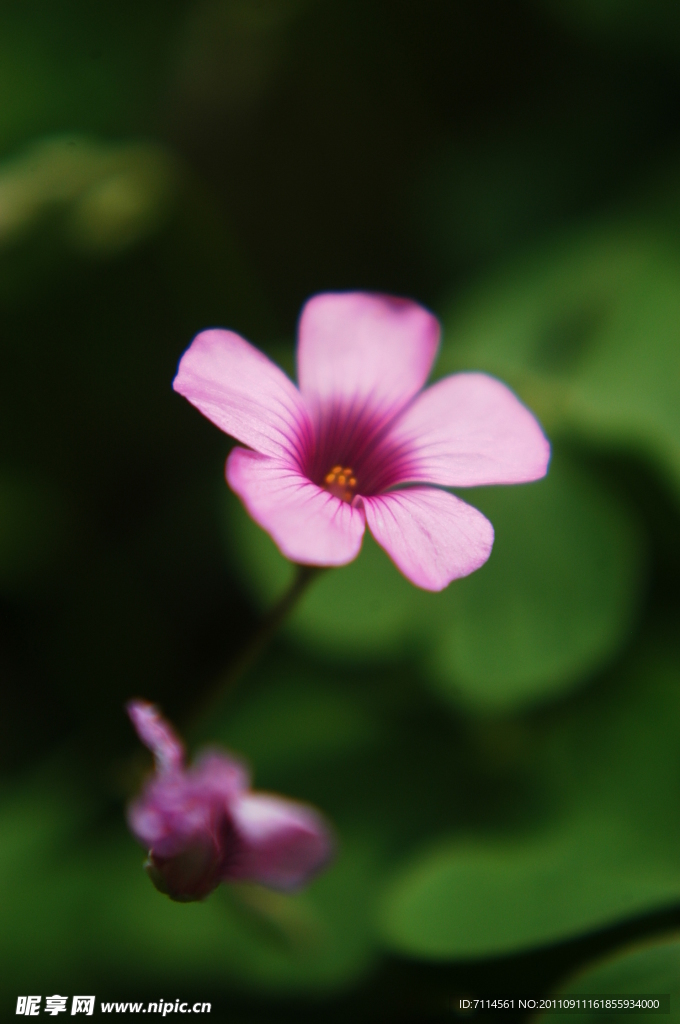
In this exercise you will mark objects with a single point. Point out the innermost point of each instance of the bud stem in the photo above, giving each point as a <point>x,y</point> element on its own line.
<point>259,640</point>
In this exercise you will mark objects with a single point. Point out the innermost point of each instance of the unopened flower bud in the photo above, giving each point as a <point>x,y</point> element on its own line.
<point>202,825</point>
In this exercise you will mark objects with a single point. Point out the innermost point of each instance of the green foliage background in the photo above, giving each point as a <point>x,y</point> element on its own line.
<point>501,761</point>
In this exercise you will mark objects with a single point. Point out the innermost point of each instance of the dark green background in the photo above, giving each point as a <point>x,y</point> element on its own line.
<point>501,761</point>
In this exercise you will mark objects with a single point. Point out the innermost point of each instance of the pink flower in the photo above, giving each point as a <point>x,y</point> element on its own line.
<point>202,825</point>
<point>324,461</point>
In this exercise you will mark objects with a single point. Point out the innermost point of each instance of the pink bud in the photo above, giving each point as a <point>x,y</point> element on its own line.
<point>203,825</point>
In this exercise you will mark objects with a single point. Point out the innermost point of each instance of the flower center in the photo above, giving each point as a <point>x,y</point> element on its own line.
<point>341,482</point>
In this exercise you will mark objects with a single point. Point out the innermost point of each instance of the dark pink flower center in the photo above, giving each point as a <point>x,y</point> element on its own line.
<point>352,453</point>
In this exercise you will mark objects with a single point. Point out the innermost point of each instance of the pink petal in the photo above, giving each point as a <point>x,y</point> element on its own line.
<point>169,814</point>
<point>356,349</point>
<point>244,394</point>
<point>219,774</point>
<point>308,524</point>
<point>283,842</point>
<point>156,734</point>
<point>430,535</point>
<point>469,430</point>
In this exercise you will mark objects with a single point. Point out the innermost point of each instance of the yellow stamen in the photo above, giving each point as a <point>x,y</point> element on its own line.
<point>340,482</point>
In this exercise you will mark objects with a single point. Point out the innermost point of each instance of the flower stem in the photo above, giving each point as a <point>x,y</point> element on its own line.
<point>258,641</point>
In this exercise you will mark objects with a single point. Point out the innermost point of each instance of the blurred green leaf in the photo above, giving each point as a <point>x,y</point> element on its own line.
<point>606,847</point>
<point>588,332</point>
<point>475,899</point>
<point>651,969</point>
<point>296,720</point>
<point>554,601</point>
